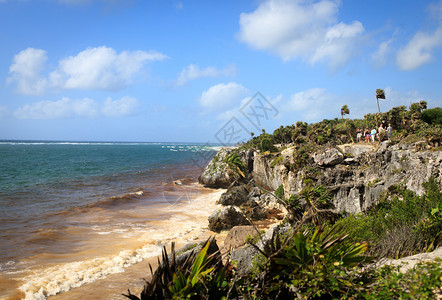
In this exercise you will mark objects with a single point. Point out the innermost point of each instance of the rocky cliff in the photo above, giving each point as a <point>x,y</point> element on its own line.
<point>356,174</point>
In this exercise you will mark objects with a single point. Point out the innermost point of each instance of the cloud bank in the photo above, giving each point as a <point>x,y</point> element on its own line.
<point>302,29</point>
<point>100,68</point>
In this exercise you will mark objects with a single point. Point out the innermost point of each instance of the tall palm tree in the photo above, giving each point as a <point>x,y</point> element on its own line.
<point>380,94</point>
<point>344,111</point>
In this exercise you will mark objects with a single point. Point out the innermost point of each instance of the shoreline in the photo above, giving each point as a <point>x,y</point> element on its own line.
<point>182,224</point>
<point>114,285</point>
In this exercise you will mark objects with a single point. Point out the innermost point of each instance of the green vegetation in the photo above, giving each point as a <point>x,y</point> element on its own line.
<point>236,164</point>
<point>328,261</point>
<point>344,111</point>
<point>432,116</point>
<point>401,223</point>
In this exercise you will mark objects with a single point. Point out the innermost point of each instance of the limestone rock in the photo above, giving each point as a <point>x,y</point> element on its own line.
<point>409,262</point>
<point>329,157</point>
<point>187,250</point>
<point>226,218</point>
<point>236,195</point>
<point>237,236</point>
<point>217,174</point>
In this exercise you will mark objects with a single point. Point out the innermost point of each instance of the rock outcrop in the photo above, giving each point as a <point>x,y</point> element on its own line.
<point>226,218</point>
<point>356,183</point>
<point>217,174</point>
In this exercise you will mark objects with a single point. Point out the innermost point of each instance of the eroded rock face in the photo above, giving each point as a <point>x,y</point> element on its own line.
<point>357,184</point>
<point>238,235</point>
<point>226,218</point>
<point>217,174</point>
<point>329,157</point>
<point>236,195</point>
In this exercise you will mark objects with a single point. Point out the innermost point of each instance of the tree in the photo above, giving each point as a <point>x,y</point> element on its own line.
<point>252,133</point>
<point>380,94</point>
<point>344,111</point>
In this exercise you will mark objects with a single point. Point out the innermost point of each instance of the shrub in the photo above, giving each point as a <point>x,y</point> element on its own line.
<point>421,282</point>
<point>308,265</point>
<point>279,192</point>
<point>267,145</point>
<point>432,116</point>
<point>401,224</point>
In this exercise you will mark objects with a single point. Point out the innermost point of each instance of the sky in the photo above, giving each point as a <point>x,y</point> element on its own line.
<point>208,71</point>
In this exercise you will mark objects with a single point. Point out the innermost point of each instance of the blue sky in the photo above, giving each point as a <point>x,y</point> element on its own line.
<point>190,71</point>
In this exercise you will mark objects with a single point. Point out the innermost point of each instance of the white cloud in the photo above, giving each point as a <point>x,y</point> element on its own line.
<point>121,107</point>
<point>419,50</point>
<point>86,108</point>
<point>193,72</point>
<point>101,68</point>
<point>222,95</point>
<point>26,69</point>
<point>313,103</point>
<point>301,29</point>
<point>379,57</point>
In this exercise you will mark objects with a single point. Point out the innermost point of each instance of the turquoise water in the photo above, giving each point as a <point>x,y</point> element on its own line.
<point>44,183</point>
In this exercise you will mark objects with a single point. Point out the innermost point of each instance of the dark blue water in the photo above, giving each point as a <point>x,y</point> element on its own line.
<point>42,182</point>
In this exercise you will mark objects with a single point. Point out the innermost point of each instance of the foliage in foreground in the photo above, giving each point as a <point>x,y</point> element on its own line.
<point>310,264</point>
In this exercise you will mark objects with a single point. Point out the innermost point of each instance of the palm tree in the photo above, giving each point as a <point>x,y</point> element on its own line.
<point>344,111</point>
<point>380,94</point>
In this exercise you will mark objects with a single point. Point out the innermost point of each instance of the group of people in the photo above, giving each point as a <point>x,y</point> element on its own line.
<point>373,134</point>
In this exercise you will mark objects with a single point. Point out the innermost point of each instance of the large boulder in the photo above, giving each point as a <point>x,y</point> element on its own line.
<point>226,218</point>
<point>329,157</point>
<point>217,174</point>
<point>238,235</point>
<point>235,195</point>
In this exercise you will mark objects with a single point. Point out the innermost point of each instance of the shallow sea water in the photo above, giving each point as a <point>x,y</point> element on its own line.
<point>75,215</point>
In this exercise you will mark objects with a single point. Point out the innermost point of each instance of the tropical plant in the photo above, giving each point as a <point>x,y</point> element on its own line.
<point>200,276</point>
<point>344,111</point>
<point>236,164</point>
<point>380,94</point>
<point>308,264</point>
<point>317,203</point>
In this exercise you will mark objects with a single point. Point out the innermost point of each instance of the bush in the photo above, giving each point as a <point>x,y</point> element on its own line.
<point>279,192</point>
<point>421,282</point>
<point>267,145</point>
<point>401,224</point>
<point>432,116</point>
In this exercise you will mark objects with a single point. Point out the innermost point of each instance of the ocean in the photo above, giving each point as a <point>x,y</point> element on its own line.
<point>73,213</point>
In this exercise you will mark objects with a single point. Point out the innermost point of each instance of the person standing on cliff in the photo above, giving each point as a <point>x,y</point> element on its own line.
<point>389,131</point>
<point>381,133</point>
<point>373,134</point>
<point>367,135</point>
<point>358,135</point>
